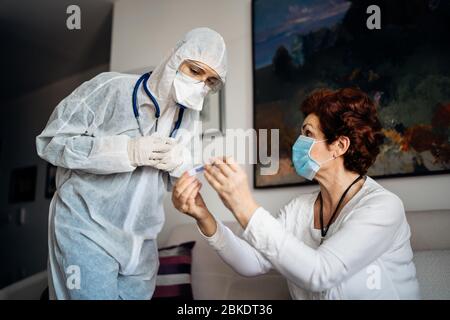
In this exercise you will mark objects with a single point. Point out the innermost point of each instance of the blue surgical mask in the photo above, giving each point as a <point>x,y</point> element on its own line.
<point>304,165</point>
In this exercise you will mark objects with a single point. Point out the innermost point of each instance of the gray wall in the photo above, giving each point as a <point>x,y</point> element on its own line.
<point>23,248</point>
<point>42,61</point>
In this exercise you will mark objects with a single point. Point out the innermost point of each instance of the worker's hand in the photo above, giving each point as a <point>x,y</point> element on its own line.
<point>149,150</point>
<point>230,182</point>
<point>187,199</point>
<point>172,159</point>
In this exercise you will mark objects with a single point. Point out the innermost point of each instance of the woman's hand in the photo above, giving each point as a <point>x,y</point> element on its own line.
<point>230,182</point>
<point>187,199</point>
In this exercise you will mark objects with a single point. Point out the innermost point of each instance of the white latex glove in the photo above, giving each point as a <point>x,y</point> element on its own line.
<point>171,159</point>
<point>149,150</point>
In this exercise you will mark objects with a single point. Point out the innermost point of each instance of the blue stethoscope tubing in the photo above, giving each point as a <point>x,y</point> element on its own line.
<point>144,78</point>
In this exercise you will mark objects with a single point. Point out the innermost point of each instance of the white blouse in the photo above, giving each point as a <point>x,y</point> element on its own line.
<point>365,255</point>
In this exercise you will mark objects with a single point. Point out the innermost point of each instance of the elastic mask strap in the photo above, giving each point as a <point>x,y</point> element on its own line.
<point>332,158</point>
<point>323,162</point>
<point>310,148</point>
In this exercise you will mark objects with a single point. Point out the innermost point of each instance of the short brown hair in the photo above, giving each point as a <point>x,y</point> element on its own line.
<point>348,112</point>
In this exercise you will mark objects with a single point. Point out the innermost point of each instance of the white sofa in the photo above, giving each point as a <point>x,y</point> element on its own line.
<point>213,279</point>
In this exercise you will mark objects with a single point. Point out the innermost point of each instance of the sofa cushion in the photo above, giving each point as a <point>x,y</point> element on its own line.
<point>213,279</point>
<point>174,273</point>
<point>30,288</point>
<point>433,273</point>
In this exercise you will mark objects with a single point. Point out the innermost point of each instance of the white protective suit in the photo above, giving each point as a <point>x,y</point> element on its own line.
<point>106,213</point>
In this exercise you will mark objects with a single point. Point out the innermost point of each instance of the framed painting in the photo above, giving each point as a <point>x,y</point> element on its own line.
<point>302,45</point>
<point>213,114</point>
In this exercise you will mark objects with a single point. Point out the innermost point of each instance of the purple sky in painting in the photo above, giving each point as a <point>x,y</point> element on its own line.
<point>278,21</point>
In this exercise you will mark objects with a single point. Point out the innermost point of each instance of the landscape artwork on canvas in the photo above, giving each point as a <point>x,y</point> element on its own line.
<point>301,45</point>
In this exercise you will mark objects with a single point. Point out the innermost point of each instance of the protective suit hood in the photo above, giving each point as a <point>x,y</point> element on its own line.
<point>200,44</point>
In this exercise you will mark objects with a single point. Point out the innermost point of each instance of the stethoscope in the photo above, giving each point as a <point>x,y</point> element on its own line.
<point>144,78</point>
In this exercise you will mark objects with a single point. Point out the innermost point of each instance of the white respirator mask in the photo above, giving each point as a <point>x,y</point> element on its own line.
<point>189,92</point>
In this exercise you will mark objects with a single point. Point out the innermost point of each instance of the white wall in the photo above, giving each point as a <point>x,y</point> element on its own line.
<point>145,30</point>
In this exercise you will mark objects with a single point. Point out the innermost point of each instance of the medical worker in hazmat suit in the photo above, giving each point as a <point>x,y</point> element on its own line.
<point>117,142</point>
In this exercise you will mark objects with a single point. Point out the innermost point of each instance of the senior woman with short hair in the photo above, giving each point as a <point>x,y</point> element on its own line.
<point>347,240</point>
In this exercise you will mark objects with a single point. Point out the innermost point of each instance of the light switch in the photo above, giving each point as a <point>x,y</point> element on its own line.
<point>22,216</point>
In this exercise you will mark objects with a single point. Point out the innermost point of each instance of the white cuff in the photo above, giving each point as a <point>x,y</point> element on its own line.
<point>253,222</point>
<point>217,239</point>
<point>184,166</point>
<point>114,149</point>
<point>260,231</point>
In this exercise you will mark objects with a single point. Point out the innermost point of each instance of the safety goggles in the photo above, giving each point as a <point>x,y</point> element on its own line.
<point>214,83</point>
